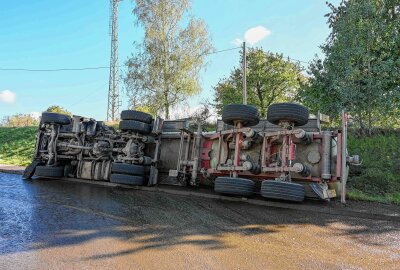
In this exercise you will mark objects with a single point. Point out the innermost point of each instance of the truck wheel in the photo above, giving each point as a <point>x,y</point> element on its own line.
<point>126,168</point>
<point>136,115</point>
<point>234,186</point>
<point>291,112</point>
<point>133,125</point>
<point>55,118</point>
<point>248,115</point>
<point>127,179</point>
<point>282,190</point>
<point>49,171</point>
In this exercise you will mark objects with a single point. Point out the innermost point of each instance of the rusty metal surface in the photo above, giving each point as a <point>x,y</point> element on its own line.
<point>49,224</point>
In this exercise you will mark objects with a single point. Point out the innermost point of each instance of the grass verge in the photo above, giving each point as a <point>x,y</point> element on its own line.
<point>17,145</point>
<point>357,195</point>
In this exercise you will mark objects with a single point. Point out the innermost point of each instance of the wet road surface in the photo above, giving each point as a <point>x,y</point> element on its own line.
<point>50,224</point>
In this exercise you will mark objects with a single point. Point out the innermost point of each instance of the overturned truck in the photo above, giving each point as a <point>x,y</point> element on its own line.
<point>286,156</point>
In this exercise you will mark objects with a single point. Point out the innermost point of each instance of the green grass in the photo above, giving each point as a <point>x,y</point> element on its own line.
<point>17,145</point>
<point>357,195</point>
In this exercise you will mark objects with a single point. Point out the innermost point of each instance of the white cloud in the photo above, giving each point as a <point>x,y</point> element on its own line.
<point>255,34</point>
<point>7,96</point>
<point>36,115</point>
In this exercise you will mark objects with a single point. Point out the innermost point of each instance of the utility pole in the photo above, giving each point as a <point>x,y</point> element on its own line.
<point>244,74</point>
<point>113,90</point>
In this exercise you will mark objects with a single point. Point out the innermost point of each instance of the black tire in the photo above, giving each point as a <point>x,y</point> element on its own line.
<point>126,168</point>
<point>234,186</point>
<point>136,126</point>
<point>136,115</point>
<point>55,118</point>
<point>291,112</point>
<point>248,115</point>
<point>49,171</point>
<point>282,190</point>
<point>127,179</point>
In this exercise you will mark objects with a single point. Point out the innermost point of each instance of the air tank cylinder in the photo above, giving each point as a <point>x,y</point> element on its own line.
<point>326,155</point>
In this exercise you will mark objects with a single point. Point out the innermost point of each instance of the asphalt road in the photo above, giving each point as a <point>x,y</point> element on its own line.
<point>50,224</point>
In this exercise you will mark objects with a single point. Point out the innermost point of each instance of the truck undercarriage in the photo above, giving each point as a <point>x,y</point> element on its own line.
<point>286,156</point>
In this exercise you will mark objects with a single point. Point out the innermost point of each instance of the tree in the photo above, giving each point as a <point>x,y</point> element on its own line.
<point>20,120</point>
<point>270,78</point>
<point>166,68</point>
<point>360,71</point>
<point>58,109</point>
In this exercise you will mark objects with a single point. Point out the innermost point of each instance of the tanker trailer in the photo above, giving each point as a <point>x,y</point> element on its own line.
<point>286,156</point>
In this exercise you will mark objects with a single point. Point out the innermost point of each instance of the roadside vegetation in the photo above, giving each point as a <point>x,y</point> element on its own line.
<point>378,178</point>
<point>17,145</point>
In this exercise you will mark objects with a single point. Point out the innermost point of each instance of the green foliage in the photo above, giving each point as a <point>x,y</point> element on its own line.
<point>17,145</point>
<point>270,78</point>
<point>166,69</point>
<point>379,174</point>
<point>58,109</point>
<point>360,71</point>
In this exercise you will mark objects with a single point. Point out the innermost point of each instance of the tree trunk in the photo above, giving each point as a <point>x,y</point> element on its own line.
<point>261,99</point>
<point>166,104</point>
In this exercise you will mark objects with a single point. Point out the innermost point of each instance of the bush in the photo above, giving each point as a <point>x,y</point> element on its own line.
<point>379,173</point>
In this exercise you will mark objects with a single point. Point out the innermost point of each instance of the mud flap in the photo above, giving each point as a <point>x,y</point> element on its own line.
<point>30,169</point>
<point>322,191</point>
<point>153,176</point>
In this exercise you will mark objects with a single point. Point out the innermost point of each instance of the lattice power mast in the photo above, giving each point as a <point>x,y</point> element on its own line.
<point>113,89</point>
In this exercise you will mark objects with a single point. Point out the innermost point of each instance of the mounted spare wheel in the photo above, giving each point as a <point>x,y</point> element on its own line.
<point>246,114</point>
<point>234,186</point>
<point>291,112</point>
<point>49,171</point>
<point>280,190</point>
<point>136,115</point>
<point>126,168</point>
<point>127,179</point>
<point>136,126</point>
<point>55,118</point>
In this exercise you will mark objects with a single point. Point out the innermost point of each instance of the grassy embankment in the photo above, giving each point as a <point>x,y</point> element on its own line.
<point>377,179</point>
<point>17,145</point>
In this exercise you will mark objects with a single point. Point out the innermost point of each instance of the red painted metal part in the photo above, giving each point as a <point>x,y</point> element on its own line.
<point>291,150</point>
<point>205,154</point>
<point>287,151</point>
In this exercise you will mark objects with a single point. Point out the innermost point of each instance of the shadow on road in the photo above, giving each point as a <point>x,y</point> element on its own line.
<point>47,214</point>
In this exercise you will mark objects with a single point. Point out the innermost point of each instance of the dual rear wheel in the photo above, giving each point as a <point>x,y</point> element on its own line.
<point>249,115</point>
<point>270,189</point>
<point>130,174</point>
<point>136,121</point>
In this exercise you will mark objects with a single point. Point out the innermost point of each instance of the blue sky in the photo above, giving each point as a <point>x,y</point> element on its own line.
<point>48,34</point>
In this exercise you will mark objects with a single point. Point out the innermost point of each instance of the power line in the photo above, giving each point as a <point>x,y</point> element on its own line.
<point>107,67</point>
<point>89,68</point>
<point>225,50</point>
<point>56,69</point>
